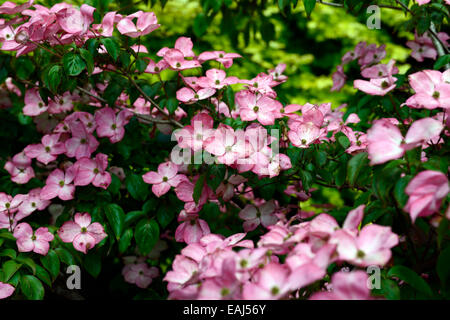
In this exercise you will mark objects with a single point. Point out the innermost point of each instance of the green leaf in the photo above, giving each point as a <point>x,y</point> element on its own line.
<point>198,188</point>
<point>132,216</point>
<point>89,59</point>
<point>146,235</point>
<point>112,92</point>
<point>125,240</point>
<point>165,215</point>
<point>51,263</point>
<point>65,256</point>
<point>216,175</point>
<point>43,275</point>
<point>116,218</point>
<point>93,263</point>
<point>344,141</point>
<point>137,188</point>
<point>28,262</point>
<point>399,190</point>
<point>200,25</point>
<point>309,6</point>
<point>24,68</point>
<point>32,288</point>
<point>411,278</point>
<point>442,61</point>
<point>114,186</point>
<point>172,104</point>
<point>355,165</point>
<point>141,65</point>
<point>111,46</point>
<point>11,253</point>
<point>9,268</point>
<point>54,77</point>
<point>73,64</point>
<point>442,266</point>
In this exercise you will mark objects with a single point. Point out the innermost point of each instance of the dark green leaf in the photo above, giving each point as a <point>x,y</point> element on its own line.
<point>111,46</point>
<point>51,263</point>
<point>137,188</point>
<point>116,218</point>
<point>411,278</point>
<point>146,235</point>
<point>73,64</point>
<point>32,288</point>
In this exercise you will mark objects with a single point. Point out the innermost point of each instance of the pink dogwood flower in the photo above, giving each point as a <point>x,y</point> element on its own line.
<point>81,232</point>
<point>37,241</point>
<point>111,125</point>
<point>346,286</point>
<point>372,246</point>
<point>139,274</point>
<point>189,96</point>
<point>33,103</point>
<point>46,151</point>
<point>192,229</point>
<point>93,171</point>
<point>176,61</point>
<point>58,184</point>
<point>432,89</point>
<point>339,79</point>
<point>263,214</point>
<point>183,44</point>
<point>220,56</point>
<point>6,290</point>
<point>20,168</point>
<point>146,23</point>
<point>195,135</point>
<point>76,21</point>
<point>258,107</point>
<point>216,79</point>
<point>164,179</point>
<point>82,144</point>
<point>426,192</point>
<point>31,202</point>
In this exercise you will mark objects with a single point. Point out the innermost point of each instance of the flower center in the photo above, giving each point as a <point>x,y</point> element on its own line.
<point>33,237</point>
<point>436,94</point>
<point>275,290</point>
<point>33,204</point>
<point>196,96</point>
<point>255,108</point>
<point>61,183</point>
<point>243,263</point>
<point>83,230</point>
<point>384,85</point>
<point>360,254</point>
<point>47,149</point>
<point>83,141</point>
<point>7,205</point>
<point>217,81</point>
<point>165,179</point>
<point>113,126</point>
<point>178,64</point>
<point>96,171</point>
<point>224,292</point>
<point>156,69</point>
<point>303,141</point>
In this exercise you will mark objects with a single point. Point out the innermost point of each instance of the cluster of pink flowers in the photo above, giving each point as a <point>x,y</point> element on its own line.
<point>212,269</point>
<point>366,55</point>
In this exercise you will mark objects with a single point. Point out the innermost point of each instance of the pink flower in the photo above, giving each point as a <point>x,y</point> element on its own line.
<point>195,135</point>
<point>20,168</point>
<point>422,47</point>
<point>258,107</point>
<point>216,79</point>
<point>384,141</point>
<point>28,241</point>
<point>426,192</point>
<point>275,281</point>
<point>228,145</point>
<point>422,2</point>
<point>277,73</point>
<point>432,89</point>
<point>58,185</point>
<point>31,202</point>
<point>380,71</point>
<point>9,7</point>
<point>33,103</point>
<point>6,290</point>
<point>346,286</point>
<point>302,135</point>
<point>376,87</point>
<point>81,232</point>
<point>339,79</point>
<point>106,28</point>
<point>263,214</point>
<point>139,274</point>
<point>155,68</point>
<point>225,58</point>
<point>183,44</point>
<point>146,23</point>
<point>192,229</point>
<point>74,21</point>
<point>372,246</point>
<point>92,171</point>
<point>82,143</point>
<point>48,150</point>
<point>164,179</point>
<point>111,125</point>
<point>188,96</point>
<point>175,60</point>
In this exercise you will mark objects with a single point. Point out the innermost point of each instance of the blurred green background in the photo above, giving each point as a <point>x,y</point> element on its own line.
<point>265,36</point>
